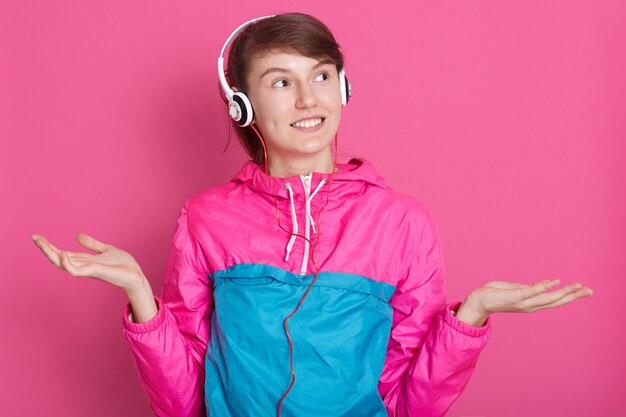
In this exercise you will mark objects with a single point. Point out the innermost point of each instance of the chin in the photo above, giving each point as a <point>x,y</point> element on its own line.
<point>315,148</point>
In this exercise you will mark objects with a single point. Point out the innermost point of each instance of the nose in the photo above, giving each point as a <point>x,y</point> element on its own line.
<point>306,96</point>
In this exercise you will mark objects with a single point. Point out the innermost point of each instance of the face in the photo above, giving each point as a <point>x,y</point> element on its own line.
<point>285,88</point>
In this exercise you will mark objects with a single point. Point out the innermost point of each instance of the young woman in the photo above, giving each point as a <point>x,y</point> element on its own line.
<point>304,286</point>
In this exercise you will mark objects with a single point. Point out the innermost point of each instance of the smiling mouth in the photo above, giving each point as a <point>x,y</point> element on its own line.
<point>309,124</point>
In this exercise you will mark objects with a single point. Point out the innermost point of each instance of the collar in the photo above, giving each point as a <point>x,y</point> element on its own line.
<point>351,179</point>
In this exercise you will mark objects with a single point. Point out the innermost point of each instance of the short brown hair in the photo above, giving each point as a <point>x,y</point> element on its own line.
<point>290,32</point>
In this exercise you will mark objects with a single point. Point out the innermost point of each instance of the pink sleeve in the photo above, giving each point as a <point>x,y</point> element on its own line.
<point>170,348</point>
<point>431,354</point>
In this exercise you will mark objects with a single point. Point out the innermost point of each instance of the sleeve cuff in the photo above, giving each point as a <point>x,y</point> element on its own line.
<point>146,326</point>
<point>450,319</point>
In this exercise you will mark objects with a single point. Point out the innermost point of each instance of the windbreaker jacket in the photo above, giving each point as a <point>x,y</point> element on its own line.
<point>374,337</point>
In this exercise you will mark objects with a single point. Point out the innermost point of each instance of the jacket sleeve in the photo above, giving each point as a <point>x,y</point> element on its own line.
<point>170,348</point>
<point>431,354</point>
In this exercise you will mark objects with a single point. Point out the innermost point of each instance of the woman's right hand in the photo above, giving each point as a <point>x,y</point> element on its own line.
<point>109,264</point>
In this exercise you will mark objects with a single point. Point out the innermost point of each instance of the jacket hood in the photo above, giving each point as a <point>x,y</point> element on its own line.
<point>351,179</point>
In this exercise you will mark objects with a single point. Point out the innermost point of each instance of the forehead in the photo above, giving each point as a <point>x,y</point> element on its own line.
<point>290,61</point>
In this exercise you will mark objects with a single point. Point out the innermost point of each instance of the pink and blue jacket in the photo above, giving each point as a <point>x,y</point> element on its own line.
<point>374,337</point>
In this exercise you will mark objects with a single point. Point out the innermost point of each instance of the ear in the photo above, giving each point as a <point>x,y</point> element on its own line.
<point>235,89</point>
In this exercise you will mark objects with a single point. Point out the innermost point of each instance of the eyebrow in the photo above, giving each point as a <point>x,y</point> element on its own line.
<point>284,70</point>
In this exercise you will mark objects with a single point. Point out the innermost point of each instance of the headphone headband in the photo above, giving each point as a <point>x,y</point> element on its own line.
<point>220,61</point>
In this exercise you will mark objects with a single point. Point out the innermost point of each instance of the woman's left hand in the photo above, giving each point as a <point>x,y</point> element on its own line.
<point>503,296</point>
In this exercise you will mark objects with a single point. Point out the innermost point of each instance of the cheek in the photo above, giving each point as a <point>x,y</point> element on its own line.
<point>271,112</point>
<point>334,100</point>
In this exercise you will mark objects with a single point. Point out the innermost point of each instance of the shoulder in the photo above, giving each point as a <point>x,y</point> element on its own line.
<point>209,204</point>
<point>389,201</point>
<point>413,224</point>
<point>403,222</point>
<point>411,211</point>
<point>212,195</point>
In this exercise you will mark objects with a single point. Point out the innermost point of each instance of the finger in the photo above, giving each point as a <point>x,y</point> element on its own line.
<point>50,253</point>
<point>91,243</point>
<point>583,292</point>
<point>77,269</point>
<point>543,281</point>
<point>68,265</point>
<point>73,255</point>
<point>44,242</point>
<point>60,252</point>
<point>80,258</point>
<point>54,254</point>
<point>514,285</point>
<point>506,285</point>
<point>537,288</point>
<point>544,299</point>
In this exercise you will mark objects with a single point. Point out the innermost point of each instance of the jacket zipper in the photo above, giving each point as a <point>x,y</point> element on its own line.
<point>306,181</point>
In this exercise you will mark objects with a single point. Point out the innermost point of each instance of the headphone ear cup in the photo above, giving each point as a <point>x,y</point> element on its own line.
<point>240,109</point>
<point>346,88</point>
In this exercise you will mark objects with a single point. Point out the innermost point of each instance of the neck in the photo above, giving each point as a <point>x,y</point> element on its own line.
<point>282,167</point>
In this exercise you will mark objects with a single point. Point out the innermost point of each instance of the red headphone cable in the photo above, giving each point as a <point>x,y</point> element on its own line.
<point>293,375</point>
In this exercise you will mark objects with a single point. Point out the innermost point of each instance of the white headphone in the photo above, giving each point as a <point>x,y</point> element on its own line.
<point>239,106</point>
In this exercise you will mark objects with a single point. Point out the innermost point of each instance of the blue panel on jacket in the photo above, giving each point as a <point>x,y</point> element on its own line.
<point>339,334</point>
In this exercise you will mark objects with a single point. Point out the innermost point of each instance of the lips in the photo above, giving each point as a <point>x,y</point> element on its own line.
<point>308,128</point>
<point>309,118</point>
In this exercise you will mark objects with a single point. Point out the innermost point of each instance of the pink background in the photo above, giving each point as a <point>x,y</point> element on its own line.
<point>506,118</point>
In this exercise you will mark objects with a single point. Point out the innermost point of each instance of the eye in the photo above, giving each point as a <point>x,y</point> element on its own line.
<point>280,81</point>
<point>324,74</point>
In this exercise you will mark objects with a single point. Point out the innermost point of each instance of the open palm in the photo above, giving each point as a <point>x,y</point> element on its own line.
<point>109,264</point>
<point>503,296</point>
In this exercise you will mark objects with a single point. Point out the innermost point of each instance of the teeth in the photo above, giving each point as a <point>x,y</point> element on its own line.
<point>308,123</point>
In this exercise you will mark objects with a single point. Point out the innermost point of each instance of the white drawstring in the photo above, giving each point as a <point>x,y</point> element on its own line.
<point>308,203</point>
<point>294,221</point>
